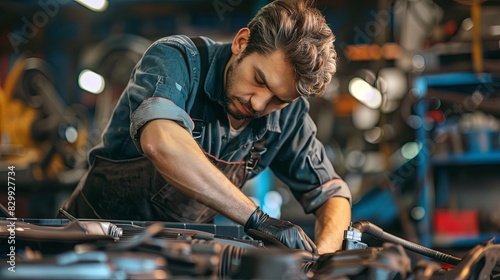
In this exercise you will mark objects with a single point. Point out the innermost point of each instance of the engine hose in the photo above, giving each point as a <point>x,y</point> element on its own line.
<point>378,233</point>
<point>229,256</point>
<point>230,259</point>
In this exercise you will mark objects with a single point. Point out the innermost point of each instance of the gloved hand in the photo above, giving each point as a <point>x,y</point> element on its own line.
<point>278,232</point>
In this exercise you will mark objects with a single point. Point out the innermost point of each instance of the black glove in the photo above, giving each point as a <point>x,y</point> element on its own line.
<point>278,232</point>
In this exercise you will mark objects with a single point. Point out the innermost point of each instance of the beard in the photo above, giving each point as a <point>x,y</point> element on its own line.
<point>226,101</point>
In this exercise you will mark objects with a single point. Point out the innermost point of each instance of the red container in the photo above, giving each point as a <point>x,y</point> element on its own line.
<point>456,222</point>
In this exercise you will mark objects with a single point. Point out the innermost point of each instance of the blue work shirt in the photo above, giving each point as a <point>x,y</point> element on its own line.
<point>163,85</point>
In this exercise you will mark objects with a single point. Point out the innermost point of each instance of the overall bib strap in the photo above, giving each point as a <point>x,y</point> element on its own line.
<point>258,149</point>
<point>198,109</point>
<point>197,112</point>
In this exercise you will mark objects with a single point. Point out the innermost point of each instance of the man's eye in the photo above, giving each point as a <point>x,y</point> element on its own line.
<point>258,81</point>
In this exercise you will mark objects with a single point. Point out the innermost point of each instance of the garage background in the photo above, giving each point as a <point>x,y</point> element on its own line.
<point>410,121</point>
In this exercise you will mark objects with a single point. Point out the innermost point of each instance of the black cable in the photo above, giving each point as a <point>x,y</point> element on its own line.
<point>378,233</point>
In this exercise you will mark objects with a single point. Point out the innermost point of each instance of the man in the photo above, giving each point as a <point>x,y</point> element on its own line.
<point>245,109</point>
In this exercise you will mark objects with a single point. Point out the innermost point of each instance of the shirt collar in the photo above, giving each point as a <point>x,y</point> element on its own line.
<point>215,82</point>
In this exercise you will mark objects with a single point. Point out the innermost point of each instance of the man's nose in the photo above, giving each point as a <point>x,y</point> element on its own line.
<point>261,99</point>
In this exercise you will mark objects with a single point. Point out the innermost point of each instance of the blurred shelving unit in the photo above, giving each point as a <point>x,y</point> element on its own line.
<point>465,159</point>
<point>435,171</point>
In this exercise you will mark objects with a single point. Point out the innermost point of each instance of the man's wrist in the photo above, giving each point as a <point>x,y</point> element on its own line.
<point>254,219</point>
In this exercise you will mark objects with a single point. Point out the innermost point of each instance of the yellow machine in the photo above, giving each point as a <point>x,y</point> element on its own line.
<point>37,131</point>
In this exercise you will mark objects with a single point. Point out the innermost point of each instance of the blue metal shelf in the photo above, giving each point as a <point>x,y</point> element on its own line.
<point>422,83</point>
<point>467,159</point>
<point>421,86</point>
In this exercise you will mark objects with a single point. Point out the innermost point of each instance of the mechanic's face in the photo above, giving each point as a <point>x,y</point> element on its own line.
<point>257,85</point>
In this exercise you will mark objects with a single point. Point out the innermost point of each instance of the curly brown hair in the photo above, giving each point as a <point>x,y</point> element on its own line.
<point>300,31</point>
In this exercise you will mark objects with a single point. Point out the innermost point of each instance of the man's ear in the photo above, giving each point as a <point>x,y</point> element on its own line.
<point>240,41</point>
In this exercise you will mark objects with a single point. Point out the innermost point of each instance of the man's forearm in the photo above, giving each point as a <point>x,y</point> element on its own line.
<point>179,159</point>
<point>332,218</point>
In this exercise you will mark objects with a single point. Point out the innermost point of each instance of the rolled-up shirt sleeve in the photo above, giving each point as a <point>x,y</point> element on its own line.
<point>302,164</point>
<point>159,87</point>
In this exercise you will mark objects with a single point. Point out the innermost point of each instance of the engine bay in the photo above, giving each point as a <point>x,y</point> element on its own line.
<point>98,249</point>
